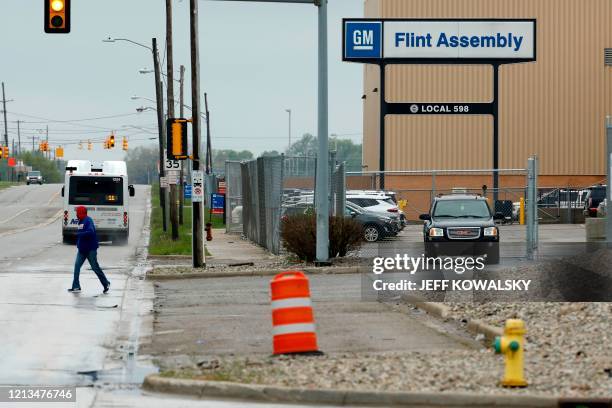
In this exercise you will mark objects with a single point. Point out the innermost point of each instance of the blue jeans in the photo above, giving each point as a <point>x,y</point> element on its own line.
<point>92,257</point>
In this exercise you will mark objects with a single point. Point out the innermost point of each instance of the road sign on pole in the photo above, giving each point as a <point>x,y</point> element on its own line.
<point>197,181</point>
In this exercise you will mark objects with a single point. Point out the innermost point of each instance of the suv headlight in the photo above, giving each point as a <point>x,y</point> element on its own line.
<point>490,232</point>
<point>436,232</point>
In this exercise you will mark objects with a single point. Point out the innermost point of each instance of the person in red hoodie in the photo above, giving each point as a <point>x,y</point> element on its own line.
<point>87,245</point>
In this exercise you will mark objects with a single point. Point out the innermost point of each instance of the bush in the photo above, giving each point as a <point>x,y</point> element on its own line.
<point>299,235</point>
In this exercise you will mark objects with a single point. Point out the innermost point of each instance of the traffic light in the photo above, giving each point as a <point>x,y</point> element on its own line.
<point>89,145</point>
<point>59,152</point>
<point>125,143</point>
<point>1,153</point>
<point>80,145</point>
<point>6,152</point>
<point>176,143</point>
<point>111,142</point>
<point>57,16</point>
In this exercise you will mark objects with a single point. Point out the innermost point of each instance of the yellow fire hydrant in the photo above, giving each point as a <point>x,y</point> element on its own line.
<point>511,345</point>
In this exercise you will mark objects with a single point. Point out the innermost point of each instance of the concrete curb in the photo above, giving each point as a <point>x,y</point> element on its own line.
<point>442,311</point>
<point>250,272</point>
<point>480,327</point>
<point>437,309</point>
<point>251,392</point>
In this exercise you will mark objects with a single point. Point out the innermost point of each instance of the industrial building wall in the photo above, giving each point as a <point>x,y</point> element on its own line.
<point>554,107</point>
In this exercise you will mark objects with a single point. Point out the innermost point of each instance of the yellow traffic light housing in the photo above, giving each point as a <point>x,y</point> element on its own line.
<point>57,16</point>
<point>125,143</point>
<point>6,152</point>
<point>2,153</point>
<point>111,142</point>
<point>89,145</point>
<point>176,139</point>
<point>59,152</point>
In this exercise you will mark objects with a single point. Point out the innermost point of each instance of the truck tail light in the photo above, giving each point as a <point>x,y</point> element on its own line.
<point>125,219</point>
<point>392,210</point>
<point>65,217</point>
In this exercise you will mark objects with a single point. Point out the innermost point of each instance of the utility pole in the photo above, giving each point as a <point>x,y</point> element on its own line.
<point>48,151</point>
<point>182,175</point>
<point>19,136</point>
<point>4,110</point>
<point>33,149</point>
<point>208,141</point>
<point>197,237</point>
<point>161,126</point>
<point>174,201</point>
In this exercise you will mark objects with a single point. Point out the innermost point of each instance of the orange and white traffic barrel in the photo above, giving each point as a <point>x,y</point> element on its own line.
<point>292,318</point>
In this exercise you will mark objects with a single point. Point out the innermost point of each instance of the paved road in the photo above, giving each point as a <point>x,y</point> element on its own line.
<point>51,337</point>
<point>222,316</point>
<point>48,335</point>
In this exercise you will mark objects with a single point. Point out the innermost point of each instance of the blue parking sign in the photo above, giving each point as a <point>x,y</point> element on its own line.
<point>362,39</point>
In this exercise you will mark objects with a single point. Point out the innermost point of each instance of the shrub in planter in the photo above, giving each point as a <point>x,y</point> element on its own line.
<point>299,235</point>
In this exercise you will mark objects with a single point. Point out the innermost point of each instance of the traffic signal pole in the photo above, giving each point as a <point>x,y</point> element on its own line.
<point>197,237</point>
<point>161,127</point>
<point>170,98</point>
<point>5,122</point>
<point>182,115</point>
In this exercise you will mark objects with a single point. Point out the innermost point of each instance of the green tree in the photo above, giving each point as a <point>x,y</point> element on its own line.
<point>221,156</point>
<point>346,150</point>
<point>270,153</point>
<point>142,164</point>
<point>51,170</point>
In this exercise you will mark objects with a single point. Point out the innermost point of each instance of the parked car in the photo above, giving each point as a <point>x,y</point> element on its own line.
<point>374,226</point>
<point>34,177</point>
<point>460,223</point>
<point>377,203</point>
<point>594,196</point>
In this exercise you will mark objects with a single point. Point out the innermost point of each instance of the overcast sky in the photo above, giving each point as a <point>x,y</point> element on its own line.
<point>256,61</point>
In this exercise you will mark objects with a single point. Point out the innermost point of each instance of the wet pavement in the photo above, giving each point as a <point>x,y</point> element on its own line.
<point>88,340</point>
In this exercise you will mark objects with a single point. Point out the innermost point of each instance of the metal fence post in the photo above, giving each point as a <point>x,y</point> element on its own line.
<point>609,189</point>
<point>532,205</point>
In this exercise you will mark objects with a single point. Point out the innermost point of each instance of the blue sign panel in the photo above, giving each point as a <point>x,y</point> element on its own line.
<point>218,202</point>
<point>187,191</point>
<point>362,39</point>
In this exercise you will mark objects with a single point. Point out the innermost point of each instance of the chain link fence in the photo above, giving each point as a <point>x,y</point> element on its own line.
<point>233,197</point>
<point>259,192</point>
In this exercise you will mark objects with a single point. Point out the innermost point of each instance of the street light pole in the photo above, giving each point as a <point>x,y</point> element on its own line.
<point>289,146</point>
<point>161,128</point>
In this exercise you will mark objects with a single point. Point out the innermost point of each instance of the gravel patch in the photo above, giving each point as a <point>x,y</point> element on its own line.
<point>456,371</point>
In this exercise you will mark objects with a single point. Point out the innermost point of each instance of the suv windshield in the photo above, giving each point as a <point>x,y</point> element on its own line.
<point>598,193</point>
<point>34,174</point>
<point>461,209</point>
<point>96,190</point>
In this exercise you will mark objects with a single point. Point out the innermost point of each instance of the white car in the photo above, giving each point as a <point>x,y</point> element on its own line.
<point>377,203</point>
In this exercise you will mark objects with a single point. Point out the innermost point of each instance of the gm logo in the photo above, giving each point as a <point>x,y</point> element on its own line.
<point>362,39</point>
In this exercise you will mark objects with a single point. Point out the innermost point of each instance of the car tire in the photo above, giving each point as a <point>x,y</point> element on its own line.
<point>493,256</point>
<point>372,233</point>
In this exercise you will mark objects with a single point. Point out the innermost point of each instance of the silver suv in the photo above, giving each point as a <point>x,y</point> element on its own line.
<point>34,177</point>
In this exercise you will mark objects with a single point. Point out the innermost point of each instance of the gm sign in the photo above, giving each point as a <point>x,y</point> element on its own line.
<point>362,39</point>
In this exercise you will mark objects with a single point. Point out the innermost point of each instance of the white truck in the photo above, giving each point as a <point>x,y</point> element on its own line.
<point>104,190</point>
